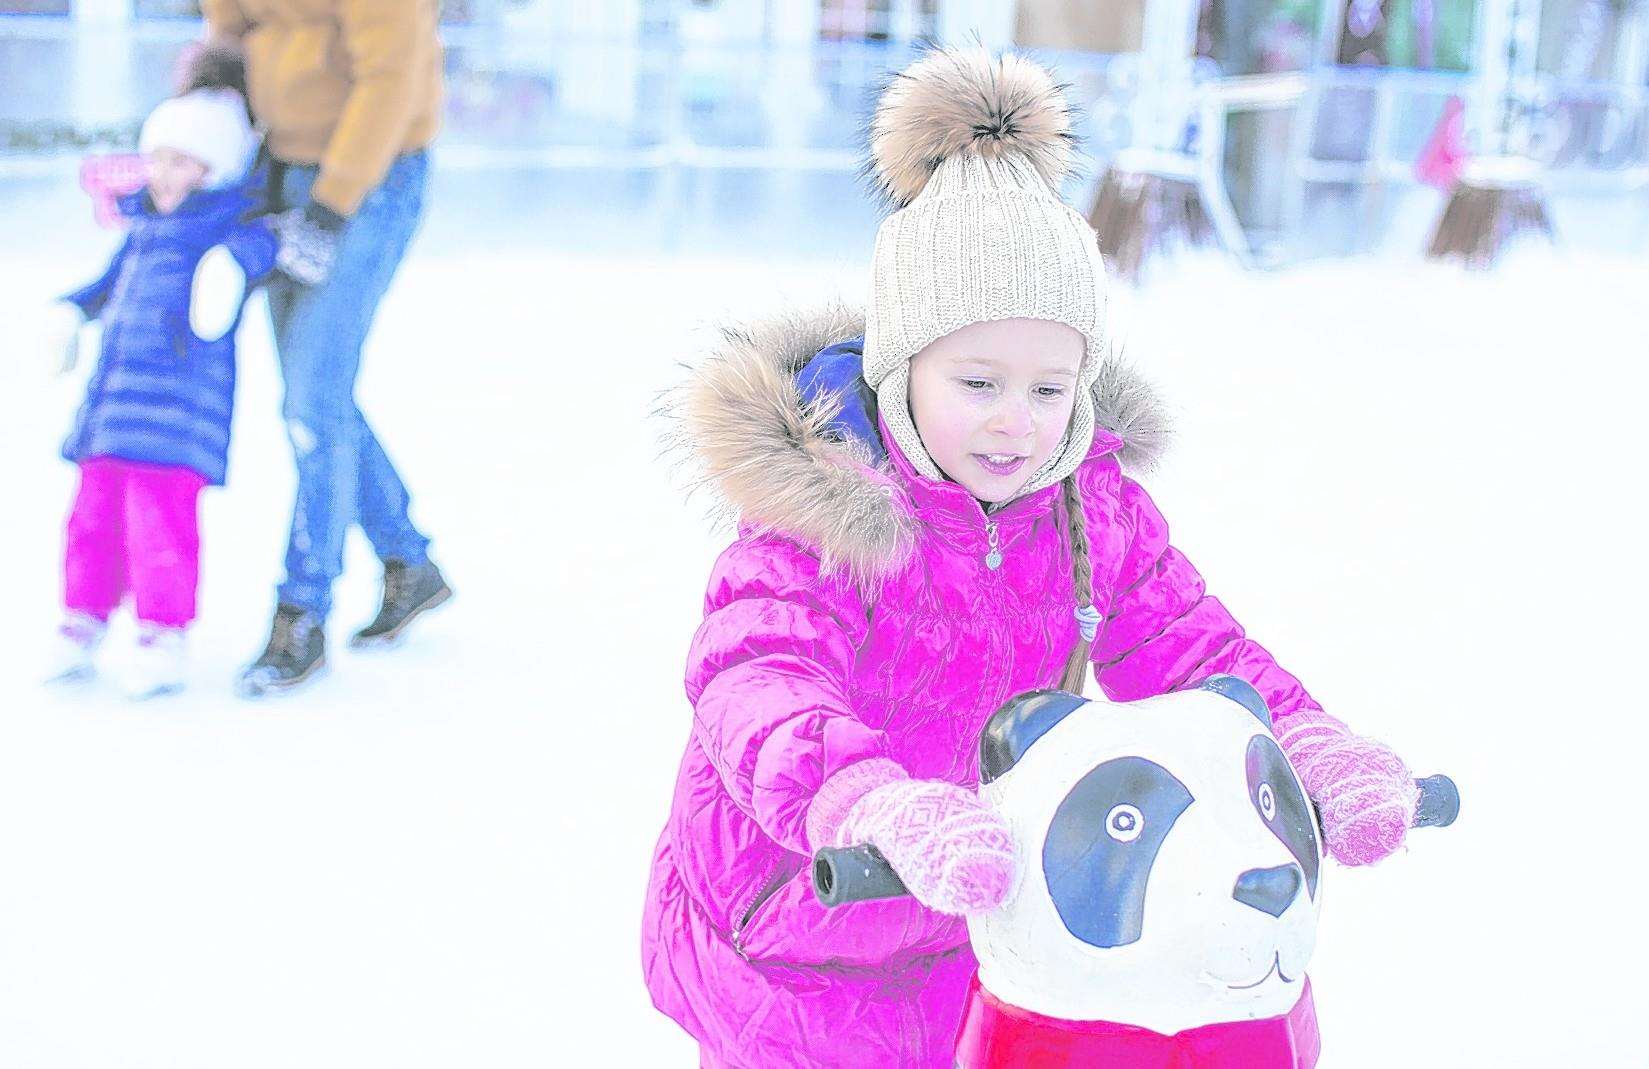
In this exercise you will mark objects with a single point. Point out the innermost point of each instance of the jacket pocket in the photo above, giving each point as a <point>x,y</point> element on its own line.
<point>748,922</point>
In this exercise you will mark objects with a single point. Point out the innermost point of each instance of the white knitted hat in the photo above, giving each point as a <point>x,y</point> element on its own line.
<point>971,150</point>
<point>210,125</point>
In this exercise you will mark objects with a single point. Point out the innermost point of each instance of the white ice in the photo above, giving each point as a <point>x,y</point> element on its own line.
<point>1420,489</point>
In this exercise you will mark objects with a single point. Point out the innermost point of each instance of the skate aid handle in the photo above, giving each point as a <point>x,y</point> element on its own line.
<point>1439,802</point>
<point>861,874</point>
<point>843,874</point>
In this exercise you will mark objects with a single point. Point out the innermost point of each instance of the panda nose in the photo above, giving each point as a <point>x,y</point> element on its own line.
<point>1269,890</point>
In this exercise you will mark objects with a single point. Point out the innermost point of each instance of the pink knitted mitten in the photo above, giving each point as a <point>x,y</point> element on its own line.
<point>1365,793</point>
<point>954,853</point>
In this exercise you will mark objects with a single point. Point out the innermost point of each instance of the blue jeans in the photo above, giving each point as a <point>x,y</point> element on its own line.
<point>344,476</point>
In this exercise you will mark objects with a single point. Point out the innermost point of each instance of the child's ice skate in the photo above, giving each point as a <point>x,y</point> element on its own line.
<point>155,665</point>
<point>74,648</point>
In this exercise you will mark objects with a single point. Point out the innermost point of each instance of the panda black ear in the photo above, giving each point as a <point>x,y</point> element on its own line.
<point>1243,693</point>
<point>1013,728</point>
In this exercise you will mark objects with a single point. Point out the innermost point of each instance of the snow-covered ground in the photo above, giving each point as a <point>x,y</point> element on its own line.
<point>1421,490</point>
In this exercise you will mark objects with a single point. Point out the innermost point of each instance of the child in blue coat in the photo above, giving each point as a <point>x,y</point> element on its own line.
<point>154,427</point>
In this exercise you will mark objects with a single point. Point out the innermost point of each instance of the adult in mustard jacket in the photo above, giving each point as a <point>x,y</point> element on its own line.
<point>349,93</point>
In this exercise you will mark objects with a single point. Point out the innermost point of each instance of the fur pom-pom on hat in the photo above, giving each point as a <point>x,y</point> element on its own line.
<point>955,100</point>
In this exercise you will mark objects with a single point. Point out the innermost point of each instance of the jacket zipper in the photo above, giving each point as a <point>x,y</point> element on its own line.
<point>993,552</point>
<point>775,883</point>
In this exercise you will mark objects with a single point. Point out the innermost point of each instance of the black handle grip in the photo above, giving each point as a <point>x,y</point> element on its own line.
<point>854,874</point>
<point>1439,802</point>
<point>861,874</point>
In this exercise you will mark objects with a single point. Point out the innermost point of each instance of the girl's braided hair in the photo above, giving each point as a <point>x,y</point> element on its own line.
<point>1075,676</point>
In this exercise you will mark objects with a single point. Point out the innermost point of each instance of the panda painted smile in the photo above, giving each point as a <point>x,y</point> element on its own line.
<point>1275,970</point>
<point>1169,857</point>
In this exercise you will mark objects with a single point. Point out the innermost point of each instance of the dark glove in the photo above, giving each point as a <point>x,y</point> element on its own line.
<point>309,242</point>
<point>263,187</point>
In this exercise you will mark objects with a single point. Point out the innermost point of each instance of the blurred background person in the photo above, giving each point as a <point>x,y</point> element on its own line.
<point>349,92</point>
<point>154,428</point>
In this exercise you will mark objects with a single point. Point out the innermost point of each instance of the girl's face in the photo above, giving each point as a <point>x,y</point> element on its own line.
<point>173,175</point>
<point>992,401</point>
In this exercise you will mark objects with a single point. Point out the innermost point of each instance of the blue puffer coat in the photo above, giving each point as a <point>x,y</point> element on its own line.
<point>161,395</point>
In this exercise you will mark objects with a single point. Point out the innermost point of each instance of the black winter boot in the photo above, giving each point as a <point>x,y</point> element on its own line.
<point>409,592</point>
<point>296,653</point>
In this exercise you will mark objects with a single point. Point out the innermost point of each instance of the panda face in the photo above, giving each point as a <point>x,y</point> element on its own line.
<point>1170,864</point>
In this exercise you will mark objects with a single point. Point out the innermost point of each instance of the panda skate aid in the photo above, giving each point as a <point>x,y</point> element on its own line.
<point>1070,972</point>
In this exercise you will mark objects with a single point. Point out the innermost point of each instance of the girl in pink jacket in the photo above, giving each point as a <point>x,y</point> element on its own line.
<point>932,520</point>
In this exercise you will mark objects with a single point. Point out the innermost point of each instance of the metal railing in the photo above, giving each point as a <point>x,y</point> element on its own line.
<point>655,105</point>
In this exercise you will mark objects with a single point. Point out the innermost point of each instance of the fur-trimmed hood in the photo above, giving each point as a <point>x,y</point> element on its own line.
<point>774,461</point>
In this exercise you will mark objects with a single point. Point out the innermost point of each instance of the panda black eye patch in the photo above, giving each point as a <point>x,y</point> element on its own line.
<point>1102,843</point>
<point>1280,804</point>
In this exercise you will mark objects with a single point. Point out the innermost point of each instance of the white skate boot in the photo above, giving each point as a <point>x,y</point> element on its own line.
<point>155,665</point>
<point>74,647</point>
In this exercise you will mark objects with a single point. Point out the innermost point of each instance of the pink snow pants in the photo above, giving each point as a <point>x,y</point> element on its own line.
<point>134,530</point>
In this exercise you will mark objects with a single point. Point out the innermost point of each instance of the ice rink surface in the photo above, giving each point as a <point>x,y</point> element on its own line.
<point>1422,490</point>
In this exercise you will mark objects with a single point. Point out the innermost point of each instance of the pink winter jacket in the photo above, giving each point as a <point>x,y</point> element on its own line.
<point>855,617</point>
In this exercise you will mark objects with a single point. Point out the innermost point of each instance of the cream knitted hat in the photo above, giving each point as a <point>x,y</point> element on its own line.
<point>971,149</point>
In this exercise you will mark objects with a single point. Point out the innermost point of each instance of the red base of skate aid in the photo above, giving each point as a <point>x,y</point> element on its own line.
<point>995,1035</point>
